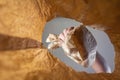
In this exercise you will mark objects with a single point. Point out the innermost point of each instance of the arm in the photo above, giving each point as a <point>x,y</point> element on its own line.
<point>100,65</point>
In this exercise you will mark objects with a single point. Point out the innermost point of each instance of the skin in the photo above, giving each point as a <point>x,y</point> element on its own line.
<point>99,65</point>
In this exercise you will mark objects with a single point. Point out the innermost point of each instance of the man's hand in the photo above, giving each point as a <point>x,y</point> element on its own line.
<point>68,45</point>
<point>80,46</point>
<point>65,41</point>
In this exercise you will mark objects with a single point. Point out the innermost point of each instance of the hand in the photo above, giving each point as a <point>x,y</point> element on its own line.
<point>71,50</point>
<point>65,40</point>
<point>68,45</point>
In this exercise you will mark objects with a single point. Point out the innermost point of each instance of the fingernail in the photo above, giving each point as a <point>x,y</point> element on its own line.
<point>71,28</point>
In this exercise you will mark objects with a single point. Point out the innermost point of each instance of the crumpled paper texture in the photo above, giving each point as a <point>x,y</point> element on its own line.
<point>23,21</point>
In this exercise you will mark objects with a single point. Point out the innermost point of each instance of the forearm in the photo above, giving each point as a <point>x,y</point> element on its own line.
<point>100,65</point>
